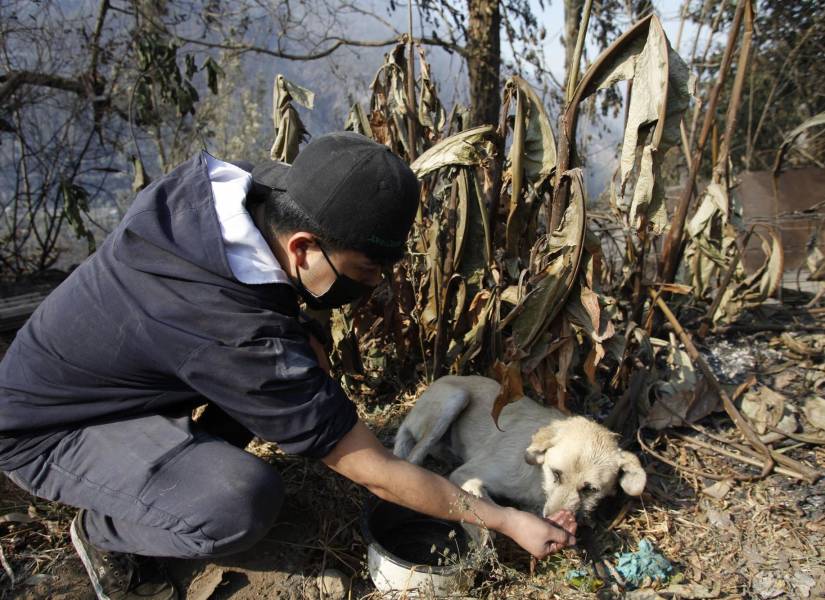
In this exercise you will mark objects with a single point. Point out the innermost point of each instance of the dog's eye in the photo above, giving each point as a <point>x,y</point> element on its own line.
<point>588,488</point>
<point>556,475</point>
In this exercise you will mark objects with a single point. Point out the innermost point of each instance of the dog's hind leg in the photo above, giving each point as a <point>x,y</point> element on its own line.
<point>454,401</point>
<point>404,442</point>
<point>468,479</point>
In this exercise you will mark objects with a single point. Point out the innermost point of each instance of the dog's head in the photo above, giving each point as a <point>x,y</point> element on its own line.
<point>581,463</point>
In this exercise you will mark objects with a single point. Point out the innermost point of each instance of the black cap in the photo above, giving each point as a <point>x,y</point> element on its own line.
<point>355,189</point>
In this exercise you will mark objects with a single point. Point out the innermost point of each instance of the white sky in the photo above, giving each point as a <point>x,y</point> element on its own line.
<point>553,18</point>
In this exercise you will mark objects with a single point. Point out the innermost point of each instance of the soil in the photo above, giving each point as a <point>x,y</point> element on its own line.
<point>760,539</point>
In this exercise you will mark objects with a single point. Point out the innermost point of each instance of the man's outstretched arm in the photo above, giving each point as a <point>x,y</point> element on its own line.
<point>360,457</point>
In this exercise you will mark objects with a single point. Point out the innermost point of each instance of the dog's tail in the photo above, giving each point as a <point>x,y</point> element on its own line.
<point>404,442</point>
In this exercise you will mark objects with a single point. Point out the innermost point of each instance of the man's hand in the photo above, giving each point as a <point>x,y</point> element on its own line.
<point>539,536</point>
<point>565,520</point>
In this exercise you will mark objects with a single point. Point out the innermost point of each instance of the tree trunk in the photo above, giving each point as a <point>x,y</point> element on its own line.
<point>484,61</point>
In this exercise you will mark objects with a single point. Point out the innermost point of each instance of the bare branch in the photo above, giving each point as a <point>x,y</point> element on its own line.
<point>14,79</point>
<point>101,17</point>
<point>338,42</point>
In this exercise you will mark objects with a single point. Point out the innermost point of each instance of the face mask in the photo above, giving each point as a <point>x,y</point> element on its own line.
<point>342,291</point>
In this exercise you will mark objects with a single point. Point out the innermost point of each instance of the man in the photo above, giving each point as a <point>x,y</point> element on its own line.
<point>194,298</point>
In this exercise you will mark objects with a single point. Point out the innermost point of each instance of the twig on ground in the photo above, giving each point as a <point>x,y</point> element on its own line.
<point>807,439</point>
<point>743,387</point>
<point>808,473</point>
<point>324,543</point>
<point>7,566</point>
<point>612,570</point>
<point>620,517</point>
<point>730,408</point>
<point>756,462</point>
<point>763,327</point>
<point>675,465</point>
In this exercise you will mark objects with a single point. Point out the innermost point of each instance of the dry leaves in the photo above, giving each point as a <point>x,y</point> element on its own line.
<point>289,129</point>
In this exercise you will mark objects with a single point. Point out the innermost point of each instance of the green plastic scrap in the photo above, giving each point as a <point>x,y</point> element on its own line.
<point>645,563</point>
<point>583,580</point>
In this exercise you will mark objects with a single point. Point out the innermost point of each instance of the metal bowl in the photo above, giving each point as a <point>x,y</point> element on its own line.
<point>399,551</point>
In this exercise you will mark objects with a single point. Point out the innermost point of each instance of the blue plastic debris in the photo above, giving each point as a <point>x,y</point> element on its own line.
<point>577,574</point>
<point>634,567</point>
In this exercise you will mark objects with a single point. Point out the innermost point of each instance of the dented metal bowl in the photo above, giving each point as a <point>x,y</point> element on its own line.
<point>400,557</point>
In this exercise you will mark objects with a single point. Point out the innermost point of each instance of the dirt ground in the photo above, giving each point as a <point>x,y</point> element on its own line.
<point>760,539</point>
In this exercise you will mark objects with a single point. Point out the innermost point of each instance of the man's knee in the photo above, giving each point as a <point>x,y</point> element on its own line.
<point>245,508</point>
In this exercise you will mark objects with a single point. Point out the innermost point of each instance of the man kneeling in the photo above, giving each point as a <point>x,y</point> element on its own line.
<point>194,298</point>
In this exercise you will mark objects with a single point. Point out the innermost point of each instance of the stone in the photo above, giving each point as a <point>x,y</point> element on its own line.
<point>719,518</point>
<point>333,584</point>
<point>815,411</point>
<point>803,583</point>
<point>765,585</point>
<point>719,489</point>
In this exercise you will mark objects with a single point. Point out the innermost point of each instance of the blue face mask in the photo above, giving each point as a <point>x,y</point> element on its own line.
<point>342,291</point>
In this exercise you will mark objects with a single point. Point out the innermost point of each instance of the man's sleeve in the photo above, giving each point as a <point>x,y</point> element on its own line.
<point>275,387</point>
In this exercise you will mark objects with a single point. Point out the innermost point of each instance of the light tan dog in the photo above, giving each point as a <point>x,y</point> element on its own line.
<point>541,459</point>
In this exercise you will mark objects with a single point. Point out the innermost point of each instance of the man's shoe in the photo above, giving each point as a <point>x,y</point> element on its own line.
<point>117,576</point>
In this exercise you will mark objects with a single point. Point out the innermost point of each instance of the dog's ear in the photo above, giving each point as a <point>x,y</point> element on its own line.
<point>542,440</point>
<point>633,477</point>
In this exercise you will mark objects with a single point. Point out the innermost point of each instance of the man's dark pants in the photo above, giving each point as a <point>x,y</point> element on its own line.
<point>159,485</point>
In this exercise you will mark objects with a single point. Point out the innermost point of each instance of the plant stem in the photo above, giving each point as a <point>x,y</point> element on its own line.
<point>573,75</point>
<point>412,117</point>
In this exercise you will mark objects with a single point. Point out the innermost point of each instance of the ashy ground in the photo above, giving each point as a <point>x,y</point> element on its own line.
<point>761,539</point>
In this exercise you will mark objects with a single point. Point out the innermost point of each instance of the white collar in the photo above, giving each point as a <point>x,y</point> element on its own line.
<point>249,256</point>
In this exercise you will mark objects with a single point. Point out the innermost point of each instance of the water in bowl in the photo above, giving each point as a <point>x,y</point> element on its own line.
<point>413,540</point>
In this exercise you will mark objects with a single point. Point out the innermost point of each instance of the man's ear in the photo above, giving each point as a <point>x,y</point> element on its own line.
<point>542,440</point>
<point>633,477</point>
<point>298,244</point>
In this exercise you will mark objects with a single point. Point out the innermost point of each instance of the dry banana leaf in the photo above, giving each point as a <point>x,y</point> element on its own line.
<point>389,104</point>
<point>681,396</point>
<point>431,113</point>
<point>661,93</point>
<point>357,121</point>
<point>584,309</point>
<point>562,254</point>
<point>509,376</point>
<point>753,290</point>
<point>532,156</point>
<point>710,239</point>
<point>467,148</point>
<point>539,143</point>
<point>789,140</point>
<point>289,130</point>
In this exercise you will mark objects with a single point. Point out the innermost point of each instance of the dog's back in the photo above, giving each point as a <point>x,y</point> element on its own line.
<point>436,413</point>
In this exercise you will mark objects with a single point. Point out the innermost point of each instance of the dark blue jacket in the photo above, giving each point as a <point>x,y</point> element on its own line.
<point>154,320</point>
